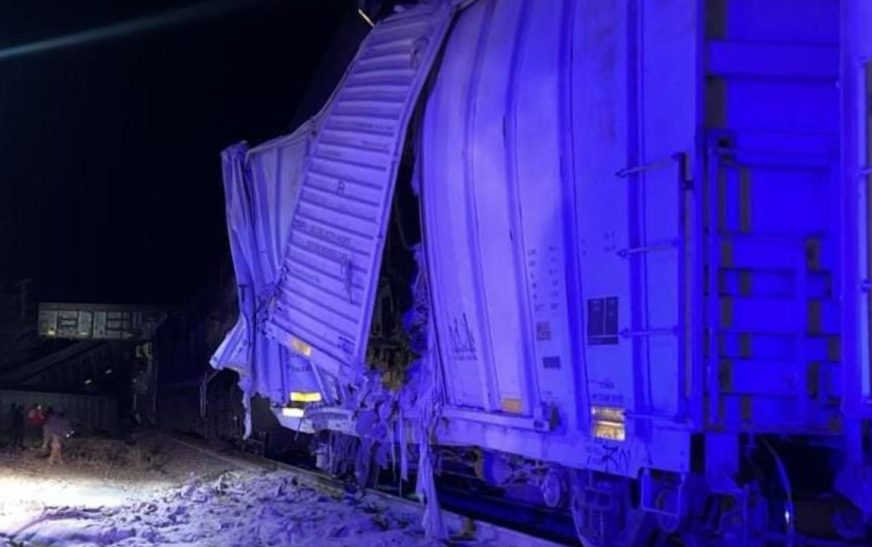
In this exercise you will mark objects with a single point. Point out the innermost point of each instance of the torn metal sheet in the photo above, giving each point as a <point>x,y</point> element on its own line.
<point>261,185</point>
<point>331,265</point>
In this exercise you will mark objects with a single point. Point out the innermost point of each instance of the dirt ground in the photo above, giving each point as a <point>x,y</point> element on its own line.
<point>158,492</point>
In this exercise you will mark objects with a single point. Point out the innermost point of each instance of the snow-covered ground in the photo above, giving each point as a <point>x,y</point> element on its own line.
<point>157,492</point>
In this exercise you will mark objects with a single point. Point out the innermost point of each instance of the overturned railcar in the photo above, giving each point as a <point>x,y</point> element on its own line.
<point>616,251</point>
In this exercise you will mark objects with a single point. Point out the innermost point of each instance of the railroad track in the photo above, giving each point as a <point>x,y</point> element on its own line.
<point>465,523</point>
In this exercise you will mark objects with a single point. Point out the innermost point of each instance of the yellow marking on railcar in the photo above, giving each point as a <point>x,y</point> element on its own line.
<point>813,380</point>
<point>746,404</point>
<point>814,316</point>
<point>812,254</point>
<point>834,348</point>
<point>726,311</point>
<point>745,345</point>
<point>725,375</point>
<point>745,283</point>
<point>510,404</point>
<point>305,397</point>
<point>726,253</point>
<point>744,199</point>
<point>301,347</point>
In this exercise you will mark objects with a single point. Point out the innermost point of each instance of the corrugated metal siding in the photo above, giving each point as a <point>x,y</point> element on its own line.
<point>494,196</point>
<point>234,350</point>
<point>524,133</point>
<point>87,413</point>
<point>275,172</point>
<point>262,188</point>
<point>332,261</point>
<point>231,353</point>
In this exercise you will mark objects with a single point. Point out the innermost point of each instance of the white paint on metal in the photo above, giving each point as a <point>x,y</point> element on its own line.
<point>494,194</point>
<point>333,255</point>
<point>519,187</point>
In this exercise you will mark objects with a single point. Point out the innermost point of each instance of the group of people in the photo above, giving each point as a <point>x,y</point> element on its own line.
<point>49,424</point>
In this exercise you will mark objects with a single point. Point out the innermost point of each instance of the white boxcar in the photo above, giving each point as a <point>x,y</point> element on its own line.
<point>643,264</point>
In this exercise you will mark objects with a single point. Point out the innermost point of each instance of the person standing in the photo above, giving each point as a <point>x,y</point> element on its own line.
<point>35,421</point>
<point>46,438</point>
<point>16,420</point>
<point>57,429</point>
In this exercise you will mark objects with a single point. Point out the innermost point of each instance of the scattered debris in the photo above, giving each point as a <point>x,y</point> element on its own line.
<point>152,491</point>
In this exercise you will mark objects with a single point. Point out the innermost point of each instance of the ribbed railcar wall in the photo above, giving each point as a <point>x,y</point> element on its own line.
<point>494,216</point>
<point>326,290</point>
<point>558,335</point>
<point>262,186</point>
<point>275,169</point>
<point>631,218</point>
<point>631,222</point>
<point>636,104</point>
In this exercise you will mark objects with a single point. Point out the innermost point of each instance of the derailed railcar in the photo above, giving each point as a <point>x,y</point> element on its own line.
<point>638,279</point>
<point>261,186</point>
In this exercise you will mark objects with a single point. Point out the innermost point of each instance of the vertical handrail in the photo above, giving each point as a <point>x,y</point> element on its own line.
<point>722,243</point>
<point>857,261</point>
<point>684,182</point>
<point>713,245</point>
<point>865,172</point>
<point>802,303</point>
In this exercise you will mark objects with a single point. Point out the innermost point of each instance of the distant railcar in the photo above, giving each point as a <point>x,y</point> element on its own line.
<point>618,251</point>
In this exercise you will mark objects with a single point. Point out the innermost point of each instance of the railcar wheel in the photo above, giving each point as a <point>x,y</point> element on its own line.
<point>744,518</point>
<point>554,488</point>
<point>848,520</point>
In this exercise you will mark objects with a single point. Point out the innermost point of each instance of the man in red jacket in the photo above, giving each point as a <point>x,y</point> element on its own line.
<point>35,421</point>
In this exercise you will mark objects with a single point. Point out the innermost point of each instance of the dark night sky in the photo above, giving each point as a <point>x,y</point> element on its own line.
<point>109,153</point>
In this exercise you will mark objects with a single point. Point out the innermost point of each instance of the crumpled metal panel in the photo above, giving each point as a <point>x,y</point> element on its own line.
<point>331,265</point>
<point>261,185</point>
<point>233,351</point>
